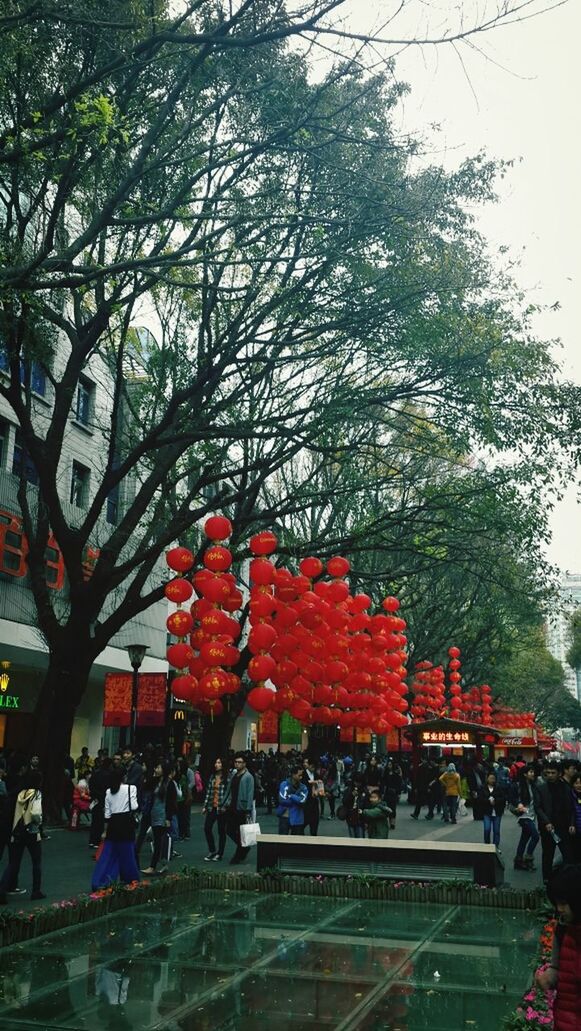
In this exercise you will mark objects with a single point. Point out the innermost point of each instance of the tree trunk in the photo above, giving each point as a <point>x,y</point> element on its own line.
<point>60,694</point>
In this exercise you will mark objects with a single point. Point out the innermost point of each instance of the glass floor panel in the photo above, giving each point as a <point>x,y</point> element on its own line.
<point>211,960</point>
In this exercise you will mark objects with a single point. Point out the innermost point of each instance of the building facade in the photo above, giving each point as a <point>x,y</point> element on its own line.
<point>21,643</point>
<point>559,629</point>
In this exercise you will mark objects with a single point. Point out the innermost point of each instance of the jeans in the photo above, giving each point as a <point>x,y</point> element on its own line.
<point>214,816</point>
<point>356,832</point>
<point>450,807</point>
<point>529,838</point>
<point>492,823</point>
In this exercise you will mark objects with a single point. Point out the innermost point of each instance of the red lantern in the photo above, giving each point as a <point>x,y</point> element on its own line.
<point>218,528</point>
<point>260,699</point>
<point>263,543</point>
<point>180,623</point>
<point>454,652</point>
<point>338,566</point>
<point>217,558</point>
<point>311,567</point>
<point>260,667</point>
<point>216,589</point>
<point>180,655</point>
<point>261,572</point>
<point>338,591</point>
<point>178,591</point>
<point>390,604</point>
<point>261,638</point>
<point>185,687</point>
<point>180,560</point>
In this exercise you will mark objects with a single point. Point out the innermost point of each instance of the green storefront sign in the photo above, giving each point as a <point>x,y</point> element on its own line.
<point>291,731</point>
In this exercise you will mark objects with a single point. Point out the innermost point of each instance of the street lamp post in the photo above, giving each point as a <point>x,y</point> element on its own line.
<point>136,654</point>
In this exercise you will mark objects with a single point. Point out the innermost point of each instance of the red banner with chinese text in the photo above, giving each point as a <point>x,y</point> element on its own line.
<point>117,704</point>
<point>268,728</point>
<point>151,700</point>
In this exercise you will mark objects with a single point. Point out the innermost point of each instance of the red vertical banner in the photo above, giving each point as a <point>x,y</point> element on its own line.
<point>117,704</point>
<point>268,728</point>
<point>151,700</point>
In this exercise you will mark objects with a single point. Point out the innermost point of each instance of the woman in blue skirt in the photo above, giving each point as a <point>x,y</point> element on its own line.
<point>118,861</point>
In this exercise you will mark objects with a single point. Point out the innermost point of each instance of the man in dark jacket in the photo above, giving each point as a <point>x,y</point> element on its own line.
<point>237,804</point>
<point>552,798</point>
<point>426,788</point>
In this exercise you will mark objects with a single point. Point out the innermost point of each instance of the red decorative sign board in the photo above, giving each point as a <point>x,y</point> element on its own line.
<point>268,728</point>
<point>117,705</point>
<point>513,741</point>
<point>151,700</point>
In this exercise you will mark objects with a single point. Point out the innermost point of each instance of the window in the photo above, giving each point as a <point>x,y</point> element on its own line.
<point>22,462</point>
<point>4,434</point>
<point>80,485</point>
<point>84,402</point>
<point>112,510</point>
<point>37,373</point>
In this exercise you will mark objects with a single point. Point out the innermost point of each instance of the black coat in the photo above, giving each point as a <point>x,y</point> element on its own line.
<point>500,799</point>
<point>552,804</point>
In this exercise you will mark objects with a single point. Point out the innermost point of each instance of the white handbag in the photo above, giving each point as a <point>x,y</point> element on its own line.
<point>248,834</point>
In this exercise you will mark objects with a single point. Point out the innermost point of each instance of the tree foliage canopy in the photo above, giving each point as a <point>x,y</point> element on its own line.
<point>329,338</point>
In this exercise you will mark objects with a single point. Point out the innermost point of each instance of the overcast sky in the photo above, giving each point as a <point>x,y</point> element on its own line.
<point>528,113</point>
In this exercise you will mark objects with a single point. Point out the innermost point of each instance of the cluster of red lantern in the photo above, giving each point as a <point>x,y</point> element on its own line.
<point>506,718</point>
<point>330,661</point>
<point>455,681</point>
<point>205,651</point>
<point>428,688</point>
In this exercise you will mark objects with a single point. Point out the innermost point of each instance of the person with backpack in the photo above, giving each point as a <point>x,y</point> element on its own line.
<point>26,834</point>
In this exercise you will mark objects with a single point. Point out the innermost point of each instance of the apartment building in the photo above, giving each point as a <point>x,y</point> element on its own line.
<point>21,644</point>
<point>558,629</point>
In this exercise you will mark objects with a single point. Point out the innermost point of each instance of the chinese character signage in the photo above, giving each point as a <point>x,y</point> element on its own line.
<point>152,700</point>
<point>117,707</point>
<point>268,728</point>
<point>447,737</point>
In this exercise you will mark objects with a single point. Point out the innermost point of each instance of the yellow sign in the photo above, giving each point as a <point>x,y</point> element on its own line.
<point>179,714</point>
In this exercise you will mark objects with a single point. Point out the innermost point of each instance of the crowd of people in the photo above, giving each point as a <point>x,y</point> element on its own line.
<point>128,802</point>
<point>543,796</point>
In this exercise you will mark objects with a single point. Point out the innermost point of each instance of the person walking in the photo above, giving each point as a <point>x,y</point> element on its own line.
<point>552,799</point>
<point>292,796</point>
<point>118,859</point>
<point>331,782</point>
<point>98,784</point>
<point>492,801</point>
<point>163,808</point>
<point>237,805</point>
<point>523,807</point>
<point>450,781</point>
<point>187,788</point>
<point>26,834</point>
<point>575,823</point>
<point>392,784</point>
<point>425,782</point>
<point>355,800</point>
<point>213,812</point>
<point>314,788</point>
